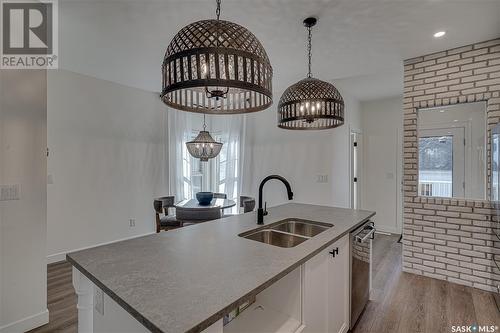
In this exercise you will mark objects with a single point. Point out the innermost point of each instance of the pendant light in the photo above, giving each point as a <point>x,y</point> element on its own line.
<point>310,104</point>
<point>217,67</point>
<point>204,146</point>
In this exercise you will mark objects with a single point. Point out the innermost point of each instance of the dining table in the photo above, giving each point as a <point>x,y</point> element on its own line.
<point>216,202</point>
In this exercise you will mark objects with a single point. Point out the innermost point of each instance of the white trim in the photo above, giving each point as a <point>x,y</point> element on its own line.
<point>344,328</point>
<point>57,257</point>
<point>27,323</point>
<point>383,229</point>
<point>350,164</point>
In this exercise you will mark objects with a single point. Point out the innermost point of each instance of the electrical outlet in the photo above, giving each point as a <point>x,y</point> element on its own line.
<point>9,192</point>
<point>322,179</point>
<point>131,222</point>
<point>99,300</point>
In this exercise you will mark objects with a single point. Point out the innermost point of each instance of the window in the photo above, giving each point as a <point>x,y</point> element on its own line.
<point>435,166</point>
<point>227,163</point>
<point>217,175</point>
<point>495,164</point>
<point>441,162</point>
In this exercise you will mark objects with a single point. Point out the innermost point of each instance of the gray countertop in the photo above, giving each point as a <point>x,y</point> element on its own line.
<point>186,279</point>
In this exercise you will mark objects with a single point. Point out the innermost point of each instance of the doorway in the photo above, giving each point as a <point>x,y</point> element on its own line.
<point>356,153</point>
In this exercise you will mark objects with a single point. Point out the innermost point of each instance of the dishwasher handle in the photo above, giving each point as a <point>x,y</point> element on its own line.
<point>370,234</point>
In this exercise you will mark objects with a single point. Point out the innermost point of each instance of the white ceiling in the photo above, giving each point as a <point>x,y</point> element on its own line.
<point>358,44</point>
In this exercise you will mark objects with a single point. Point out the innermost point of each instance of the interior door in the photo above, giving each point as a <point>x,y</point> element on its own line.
<point>356,163</point>
<point>442,162</point>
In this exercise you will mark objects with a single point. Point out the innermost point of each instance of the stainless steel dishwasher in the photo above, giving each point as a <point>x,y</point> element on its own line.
<point>360,269</point>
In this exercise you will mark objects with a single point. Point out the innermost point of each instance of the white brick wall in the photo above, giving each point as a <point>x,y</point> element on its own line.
<point>443,238</point>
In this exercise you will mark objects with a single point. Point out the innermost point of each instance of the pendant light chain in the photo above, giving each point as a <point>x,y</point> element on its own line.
<point>309,50</point>
<point>204,123</point>
<point>217,11</point>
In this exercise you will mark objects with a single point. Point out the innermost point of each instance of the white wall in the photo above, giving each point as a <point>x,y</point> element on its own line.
<point>23,284</point>
<point>107,161</point>
<point>300,156</point>
<point>382,123</point>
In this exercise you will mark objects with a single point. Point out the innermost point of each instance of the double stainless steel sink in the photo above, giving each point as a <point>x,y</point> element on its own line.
<point>287,233</point>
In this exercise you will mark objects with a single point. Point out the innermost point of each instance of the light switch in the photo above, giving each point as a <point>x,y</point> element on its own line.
<point>9,192</point>
<point>322,179</point>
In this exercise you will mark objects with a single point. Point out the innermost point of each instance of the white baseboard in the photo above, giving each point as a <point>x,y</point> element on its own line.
<point>57,257</point>
<point>387,229</point>
<point>27,323</point>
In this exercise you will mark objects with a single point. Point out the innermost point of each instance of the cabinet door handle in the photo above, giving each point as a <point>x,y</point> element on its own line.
<point>334,252</point>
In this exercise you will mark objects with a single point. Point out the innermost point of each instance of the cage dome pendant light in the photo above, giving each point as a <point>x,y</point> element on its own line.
<point>217,67</point>
<point>204,146</point>
<point>310,104</point>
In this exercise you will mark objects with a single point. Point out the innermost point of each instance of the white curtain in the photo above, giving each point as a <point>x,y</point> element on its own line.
<point>178,125</point>
<point>229,129</point>
<point>232,129</point>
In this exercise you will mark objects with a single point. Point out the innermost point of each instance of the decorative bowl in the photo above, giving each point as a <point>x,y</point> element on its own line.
<point>204,198</point>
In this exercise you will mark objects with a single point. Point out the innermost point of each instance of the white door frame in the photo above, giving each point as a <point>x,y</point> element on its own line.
<point>359,133</point>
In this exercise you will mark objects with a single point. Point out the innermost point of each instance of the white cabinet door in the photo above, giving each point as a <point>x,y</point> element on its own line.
<point>326,290</point>
<point>315,306</point>
<point>338,287</point>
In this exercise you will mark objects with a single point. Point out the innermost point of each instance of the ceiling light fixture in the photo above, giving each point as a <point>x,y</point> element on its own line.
<point>204,146</point>
<point>439,34</point>
<point>310,104</point>
<point>218,67</point>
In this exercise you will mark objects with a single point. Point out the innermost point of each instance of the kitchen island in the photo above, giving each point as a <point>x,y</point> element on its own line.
<point>188,279</point>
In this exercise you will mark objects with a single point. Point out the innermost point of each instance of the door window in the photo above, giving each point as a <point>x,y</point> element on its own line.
<point>441,162</point>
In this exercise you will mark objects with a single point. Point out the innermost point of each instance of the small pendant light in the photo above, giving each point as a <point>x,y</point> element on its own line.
<point>217,67</point>
<point>204,146</point>
<point>310,104</point>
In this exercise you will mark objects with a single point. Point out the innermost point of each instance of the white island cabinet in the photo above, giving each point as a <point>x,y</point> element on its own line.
<point>326,289</point>
<point>314,298</point>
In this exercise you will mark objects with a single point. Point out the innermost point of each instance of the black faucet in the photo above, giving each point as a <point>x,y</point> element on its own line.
<point>262,212</point>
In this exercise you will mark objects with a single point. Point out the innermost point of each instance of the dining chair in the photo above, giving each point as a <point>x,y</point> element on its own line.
<point>191,216</point>
<point>165,220</point>
<point>220,196</point>
<point>248,204</point>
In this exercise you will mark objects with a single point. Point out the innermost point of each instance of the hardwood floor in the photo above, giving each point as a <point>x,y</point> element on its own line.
<point>405,302</point>
<point>401,302</point>
<point>61,301</point>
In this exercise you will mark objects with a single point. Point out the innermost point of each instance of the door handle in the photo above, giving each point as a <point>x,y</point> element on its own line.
<point>370,234</point>
<point>334,252</point>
